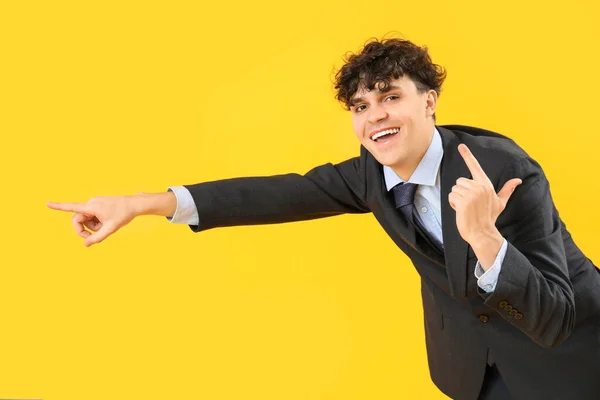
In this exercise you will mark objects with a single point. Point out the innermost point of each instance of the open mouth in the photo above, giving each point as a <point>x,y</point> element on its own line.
<point>384,136</point>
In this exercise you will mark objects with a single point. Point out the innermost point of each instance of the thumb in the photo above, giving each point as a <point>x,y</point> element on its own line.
<point>508,189</point>
<point>99,236</point>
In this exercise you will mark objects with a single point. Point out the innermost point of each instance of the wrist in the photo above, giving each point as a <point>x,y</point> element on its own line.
<point>163,204</point>
<point>487,239</point>
<point>486,247</point>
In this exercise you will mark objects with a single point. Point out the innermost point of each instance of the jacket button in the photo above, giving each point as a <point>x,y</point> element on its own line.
<point>518,316</point>
<point>503,303</point>
<point>513,312</point>
<point>483,318</point>
<point>508,307</point>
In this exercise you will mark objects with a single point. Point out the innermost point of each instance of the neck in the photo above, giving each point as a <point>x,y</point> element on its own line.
<point>406,170</point>
<point>408,167</point>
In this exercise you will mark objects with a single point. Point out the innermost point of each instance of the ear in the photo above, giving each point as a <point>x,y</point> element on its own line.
<point>431,97</point>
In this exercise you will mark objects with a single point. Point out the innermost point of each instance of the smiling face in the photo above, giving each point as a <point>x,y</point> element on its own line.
<point>395,123</point>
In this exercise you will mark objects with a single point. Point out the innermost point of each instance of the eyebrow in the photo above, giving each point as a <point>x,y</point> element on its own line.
<point>355,100</point>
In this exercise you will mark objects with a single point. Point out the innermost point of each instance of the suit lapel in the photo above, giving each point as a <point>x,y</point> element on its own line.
<point>455,248</point>
<point>395,223</point>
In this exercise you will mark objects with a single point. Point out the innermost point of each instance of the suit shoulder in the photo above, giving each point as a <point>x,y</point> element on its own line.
<point>489,144</point>
<point>500,156</point>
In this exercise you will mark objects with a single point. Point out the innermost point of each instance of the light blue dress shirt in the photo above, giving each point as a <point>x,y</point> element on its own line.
<point>427,206</point>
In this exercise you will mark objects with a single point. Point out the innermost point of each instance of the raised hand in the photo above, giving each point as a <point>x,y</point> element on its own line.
<point>475,200</point>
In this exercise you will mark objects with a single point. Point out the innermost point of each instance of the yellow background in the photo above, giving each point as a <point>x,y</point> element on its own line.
<point>102,98</point>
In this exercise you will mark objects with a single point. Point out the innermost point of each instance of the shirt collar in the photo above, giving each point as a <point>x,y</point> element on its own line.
<point>427,170</point>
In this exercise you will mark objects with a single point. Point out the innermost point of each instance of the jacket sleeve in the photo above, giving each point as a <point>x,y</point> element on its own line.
<point>324,191</point>
<point>533,292</point>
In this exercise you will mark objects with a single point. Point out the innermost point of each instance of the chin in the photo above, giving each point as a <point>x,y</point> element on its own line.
<point>387,161</point>
<point>390,157</point>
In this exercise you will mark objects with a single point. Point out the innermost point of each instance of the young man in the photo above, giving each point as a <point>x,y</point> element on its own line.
<point>511,305</point>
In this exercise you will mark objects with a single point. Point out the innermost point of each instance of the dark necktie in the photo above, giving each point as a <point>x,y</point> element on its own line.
<point>404,196</point>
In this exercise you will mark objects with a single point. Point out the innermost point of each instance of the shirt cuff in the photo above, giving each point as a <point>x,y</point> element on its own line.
<point>186,212</point>
<point>487,280</point>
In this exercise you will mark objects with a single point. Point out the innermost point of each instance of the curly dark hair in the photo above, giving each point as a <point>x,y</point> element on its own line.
<point>380,61</point>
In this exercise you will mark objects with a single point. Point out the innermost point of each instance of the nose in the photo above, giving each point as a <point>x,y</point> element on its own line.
<point>377,113</point>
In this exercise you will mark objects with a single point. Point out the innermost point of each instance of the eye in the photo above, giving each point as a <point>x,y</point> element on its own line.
<point>393,97</point>
<point>358,108</point>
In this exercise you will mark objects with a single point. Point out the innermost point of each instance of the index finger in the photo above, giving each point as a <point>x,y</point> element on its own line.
<point>472,163</point>
<point>73,207</point>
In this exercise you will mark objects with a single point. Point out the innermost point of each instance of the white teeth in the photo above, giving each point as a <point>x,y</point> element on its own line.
<point>383,133</point>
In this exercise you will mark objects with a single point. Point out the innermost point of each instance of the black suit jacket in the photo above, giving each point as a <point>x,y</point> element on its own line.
<point>541,325</point>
